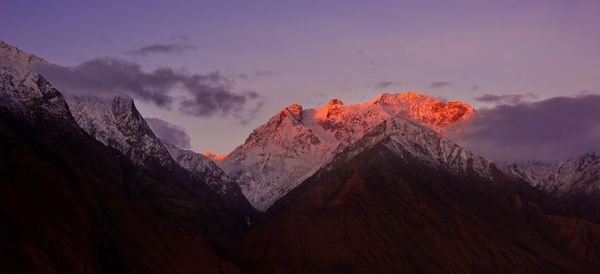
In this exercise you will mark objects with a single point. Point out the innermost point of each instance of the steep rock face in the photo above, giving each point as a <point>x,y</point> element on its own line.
<point>391,211</point>
<point>426,110</point>
<point>25,93</point>
<point>118,124</point>
<point>297,142</point>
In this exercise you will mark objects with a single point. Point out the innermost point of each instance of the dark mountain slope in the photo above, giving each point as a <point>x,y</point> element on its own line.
<point>68,204</point>
<point>382,212</point>
<point>67,196</point>
<point>573,183</point>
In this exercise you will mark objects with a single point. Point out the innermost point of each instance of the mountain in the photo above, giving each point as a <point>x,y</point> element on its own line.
<point>118,124</point>
<point>537,173</point>
<point>202,167</point>
<point>575,182</point>
<point>205,170</point>
<point>398,206</point>
<point>580,174</point>
<point>68,203</point>
<point>373,187</point>
<point>24,92</point>
<point>297,142</point>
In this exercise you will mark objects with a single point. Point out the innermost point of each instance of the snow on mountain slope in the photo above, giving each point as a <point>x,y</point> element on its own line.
<point>409,138</point>
<point>295,143</point>
<point>118,124</point>
<point>25,93</point>
<point>537,173</point>
<point>201,166</point>
<point>580,174</point>
<point>115,123</point>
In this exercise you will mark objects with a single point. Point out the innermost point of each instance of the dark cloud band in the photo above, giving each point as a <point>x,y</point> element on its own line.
<point>552,129</point>
<point>192,94</point>
<point>510,99</point>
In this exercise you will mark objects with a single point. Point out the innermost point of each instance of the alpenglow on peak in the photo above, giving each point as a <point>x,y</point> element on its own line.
<point>296,142</point>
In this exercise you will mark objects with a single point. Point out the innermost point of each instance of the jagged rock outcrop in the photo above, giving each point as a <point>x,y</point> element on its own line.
<point>25,93</point>
<point>119,124</point>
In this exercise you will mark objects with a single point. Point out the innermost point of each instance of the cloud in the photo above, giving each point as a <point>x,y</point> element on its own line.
<point>255,75</point>
<point>160,48</point>
<point>180,44</point>
<point>171,133</point>
<point>552,129</point>
<point>108,76</point>
<point>439,84</point>
<point>210,94</point>
<point>509,99</point>
<point>192,94</point>
<point>385,84</point>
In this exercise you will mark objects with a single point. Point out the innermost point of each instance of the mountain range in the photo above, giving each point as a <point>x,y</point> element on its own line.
<point>372,187</point>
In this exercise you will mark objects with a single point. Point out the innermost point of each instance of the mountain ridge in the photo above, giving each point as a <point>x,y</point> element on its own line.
<point>296,142</point>
<point>73,204</point>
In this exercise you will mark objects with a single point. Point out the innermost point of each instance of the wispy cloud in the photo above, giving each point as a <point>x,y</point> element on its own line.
<point>177,45</point>
<point>256,74</point>
<point>439,84</point>
<point>510,99</point>
<point>385,84</point>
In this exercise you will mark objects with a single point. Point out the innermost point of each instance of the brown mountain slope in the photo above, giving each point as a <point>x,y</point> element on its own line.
<point>70,205</point>
<point>381,214</point>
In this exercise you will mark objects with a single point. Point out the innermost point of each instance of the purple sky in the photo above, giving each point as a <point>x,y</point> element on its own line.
<point>310,51</point>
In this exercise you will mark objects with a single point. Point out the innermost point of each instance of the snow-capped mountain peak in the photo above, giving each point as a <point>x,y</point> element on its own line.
<point>25,93</point>
<point>297,142</point>
<point>16,56</point>
<point>118,124</point>
<point>293,112</point>
<point>424,109</point>
<point>576,175</point>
